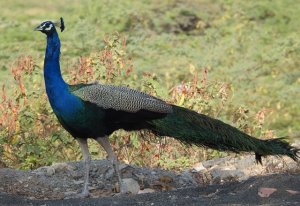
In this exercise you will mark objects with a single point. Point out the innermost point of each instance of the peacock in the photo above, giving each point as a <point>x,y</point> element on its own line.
<point>95,111</point>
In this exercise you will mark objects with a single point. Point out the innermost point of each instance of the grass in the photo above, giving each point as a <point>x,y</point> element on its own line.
<point>252,45</point>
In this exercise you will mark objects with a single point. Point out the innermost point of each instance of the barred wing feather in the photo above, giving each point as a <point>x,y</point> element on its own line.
<point>121,98</point>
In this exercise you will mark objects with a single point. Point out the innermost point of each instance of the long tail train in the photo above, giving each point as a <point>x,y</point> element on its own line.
<point>193,128</point>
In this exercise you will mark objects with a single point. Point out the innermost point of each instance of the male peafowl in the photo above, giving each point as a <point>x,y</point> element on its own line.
<point>96,110</point>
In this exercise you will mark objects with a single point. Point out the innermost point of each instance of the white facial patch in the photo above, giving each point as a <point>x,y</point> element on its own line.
<point>49,28</point>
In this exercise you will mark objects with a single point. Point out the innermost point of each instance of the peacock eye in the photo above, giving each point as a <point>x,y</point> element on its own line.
<point>48,27</point>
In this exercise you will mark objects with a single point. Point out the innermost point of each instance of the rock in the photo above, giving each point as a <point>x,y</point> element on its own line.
<point>242,167</point>
<point>130,186</point>
<point>198,167</point>
<point>247,161</point>
<point>146,190</point>
<point>50,171</point>
<point>186,177</point>
<point>217,161</point>
<point>123,166</point>
<point>54,168</point>
<point>62,167</point>
<point>227,174</point>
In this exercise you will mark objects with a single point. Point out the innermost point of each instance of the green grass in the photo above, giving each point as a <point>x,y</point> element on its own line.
<point>252,45</point>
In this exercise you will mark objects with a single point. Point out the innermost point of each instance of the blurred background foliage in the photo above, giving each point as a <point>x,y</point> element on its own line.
<point>234,60</point>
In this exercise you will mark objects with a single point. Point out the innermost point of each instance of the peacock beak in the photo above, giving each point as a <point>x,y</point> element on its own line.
<point>38,28</point>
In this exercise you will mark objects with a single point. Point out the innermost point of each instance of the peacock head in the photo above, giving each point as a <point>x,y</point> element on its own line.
<point>48,27</point>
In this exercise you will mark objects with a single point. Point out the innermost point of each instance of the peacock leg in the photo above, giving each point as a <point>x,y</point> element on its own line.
<point>104,142</point>
<point>87,161</point>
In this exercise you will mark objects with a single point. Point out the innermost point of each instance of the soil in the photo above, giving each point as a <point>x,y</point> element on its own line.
<point>55,185</point>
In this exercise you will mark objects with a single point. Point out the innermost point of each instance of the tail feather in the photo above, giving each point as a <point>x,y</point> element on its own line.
<point>278,146</point>
<point>193,128</point>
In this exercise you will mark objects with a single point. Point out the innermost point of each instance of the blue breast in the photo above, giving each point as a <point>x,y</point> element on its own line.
<point>64,103</point>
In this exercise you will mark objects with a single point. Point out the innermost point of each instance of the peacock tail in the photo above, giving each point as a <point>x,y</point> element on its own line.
<point>194,128</point>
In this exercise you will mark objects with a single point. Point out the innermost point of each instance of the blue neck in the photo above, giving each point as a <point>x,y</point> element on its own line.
<point>52,73</point>
<point>63,103</point>
<point>56,88</point>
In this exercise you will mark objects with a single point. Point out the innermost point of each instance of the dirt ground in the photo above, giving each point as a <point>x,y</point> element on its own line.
<point>56,184</point>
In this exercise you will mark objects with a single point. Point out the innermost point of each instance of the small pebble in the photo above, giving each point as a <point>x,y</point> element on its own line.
<point>50,171</point>
<point>146,190</point>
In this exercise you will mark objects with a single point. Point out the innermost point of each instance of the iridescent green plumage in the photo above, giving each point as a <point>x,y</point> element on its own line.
<point>194,128</point>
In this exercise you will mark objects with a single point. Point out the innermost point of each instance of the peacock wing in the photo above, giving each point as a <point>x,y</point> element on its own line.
<point>120,98</point>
